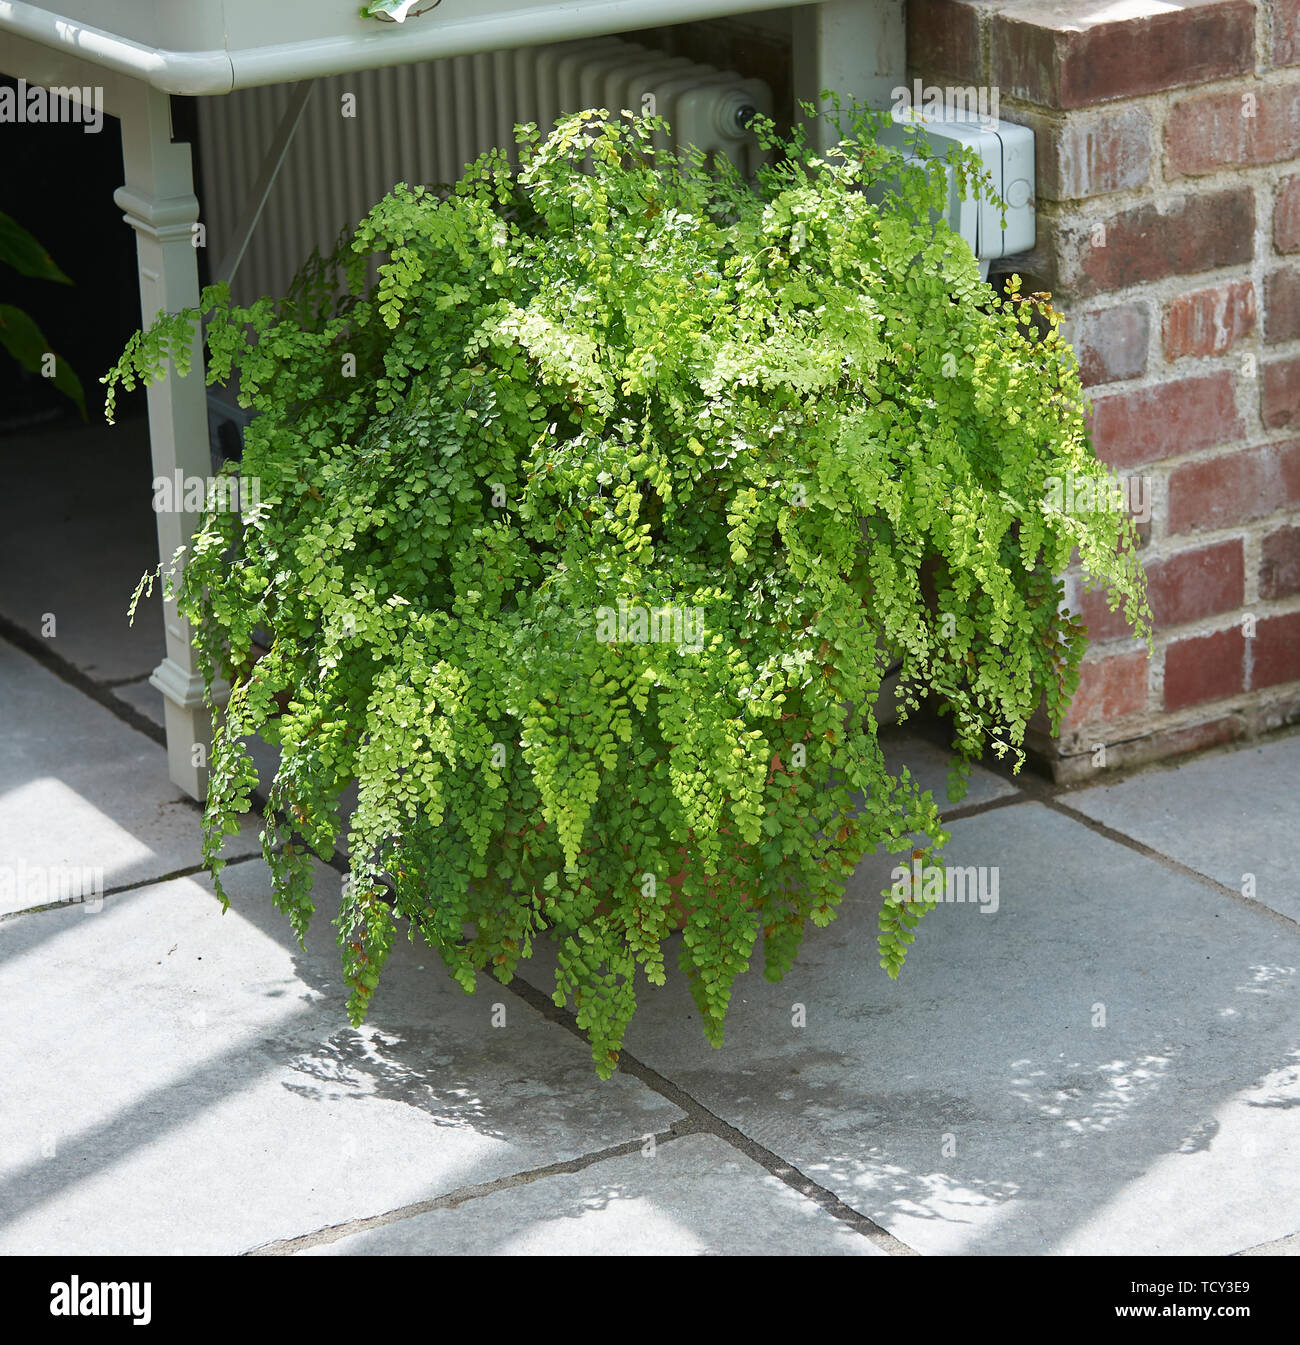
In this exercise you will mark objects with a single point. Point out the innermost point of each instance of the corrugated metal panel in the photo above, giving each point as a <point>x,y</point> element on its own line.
<point>424,123</point>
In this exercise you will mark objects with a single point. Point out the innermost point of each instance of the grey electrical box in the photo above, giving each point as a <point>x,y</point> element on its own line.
<point>1007,153</point>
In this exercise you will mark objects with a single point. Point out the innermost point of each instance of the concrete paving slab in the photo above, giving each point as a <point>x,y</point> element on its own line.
<point>694,1196</point>
<point>74,541</point>
<point>142,695</point>
<point>928,764</point>
<point>1234,816</point>
<point>182,1081</point>
<point>1109,1062</point>
<point>83,793</point>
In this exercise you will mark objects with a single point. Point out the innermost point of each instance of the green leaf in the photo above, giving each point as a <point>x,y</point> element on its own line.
<point>597,498</point>
<point>21,337</point>
<point>20,250</point>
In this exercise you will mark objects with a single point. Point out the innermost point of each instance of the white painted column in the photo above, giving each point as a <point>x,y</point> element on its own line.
<point>161,207</point>
<point>856,47</point>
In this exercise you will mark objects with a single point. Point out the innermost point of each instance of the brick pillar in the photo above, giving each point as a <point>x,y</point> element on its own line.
<point>1168,166</point>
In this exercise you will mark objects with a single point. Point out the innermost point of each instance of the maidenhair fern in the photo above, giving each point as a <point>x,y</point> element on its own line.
<point>587,531</point>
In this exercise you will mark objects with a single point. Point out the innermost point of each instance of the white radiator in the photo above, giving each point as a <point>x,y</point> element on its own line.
<point>423,123</point>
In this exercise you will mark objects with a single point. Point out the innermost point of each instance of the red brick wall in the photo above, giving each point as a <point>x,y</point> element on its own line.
<point>1168,148</point>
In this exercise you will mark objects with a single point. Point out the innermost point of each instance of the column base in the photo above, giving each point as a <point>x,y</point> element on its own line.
<point>189,725</point>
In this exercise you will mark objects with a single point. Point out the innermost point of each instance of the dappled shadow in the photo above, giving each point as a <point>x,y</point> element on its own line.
<point>411,1066</point>
<point>268,1022</point>
<point>1090,1069</point>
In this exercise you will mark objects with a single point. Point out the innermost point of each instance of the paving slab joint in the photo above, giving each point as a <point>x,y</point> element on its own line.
<point>703,1121</point>
<point>461,1195</point>
<point>153,880</point>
